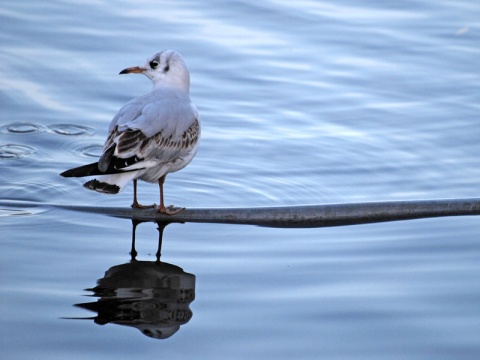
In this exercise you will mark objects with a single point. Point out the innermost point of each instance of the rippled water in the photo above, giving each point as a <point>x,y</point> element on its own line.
<point>306,102</point>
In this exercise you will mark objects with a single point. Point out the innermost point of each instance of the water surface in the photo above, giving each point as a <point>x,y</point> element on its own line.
<point>301,103</point>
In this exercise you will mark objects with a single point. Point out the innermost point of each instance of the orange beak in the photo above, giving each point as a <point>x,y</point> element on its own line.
<point>132,70</point>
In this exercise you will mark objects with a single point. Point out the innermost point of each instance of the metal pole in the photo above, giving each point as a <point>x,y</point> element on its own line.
<point>302,216</point>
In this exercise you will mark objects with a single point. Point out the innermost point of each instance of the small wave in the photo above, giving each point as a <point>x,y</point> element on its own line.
<point>91,150</point>
<point>15,151</point>
<point>17,212</point>
<point>70,129</point>
<point>22,128</point>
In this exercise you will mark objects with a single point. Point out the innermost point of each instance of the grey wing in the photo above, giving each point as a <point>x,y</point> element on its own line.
<point>148,135</point>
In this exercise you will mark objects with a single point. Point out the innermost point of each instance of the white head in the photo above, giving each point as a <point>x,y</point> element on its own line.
<point>165,68</point>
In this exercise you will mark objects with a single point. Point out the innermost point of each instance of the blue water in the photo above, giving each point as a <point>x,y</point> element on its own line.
<point>305,102</point>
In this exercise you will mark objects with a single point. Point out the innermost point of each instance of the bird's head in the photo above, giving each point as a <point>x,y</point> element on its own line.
<point>165,68</point>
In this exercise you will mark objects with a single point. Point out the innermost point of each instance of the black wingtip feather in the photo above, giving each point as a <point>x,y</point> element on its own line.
<point>85,170</point>
<point>117,166</point>
<point>101,187</point>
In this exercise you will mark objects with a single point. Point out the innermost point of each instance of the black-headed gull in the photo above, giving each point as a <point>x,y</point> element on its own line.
<point>150,136</point>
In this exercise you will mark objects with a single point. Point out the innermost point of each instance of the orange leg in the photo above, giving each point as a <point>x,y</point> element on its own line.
<point>136,204</point>
<point>171,210</point>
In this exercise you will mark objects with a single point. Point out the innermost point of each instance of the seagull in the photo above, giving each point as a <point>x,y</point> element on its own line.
<point>150,136</point>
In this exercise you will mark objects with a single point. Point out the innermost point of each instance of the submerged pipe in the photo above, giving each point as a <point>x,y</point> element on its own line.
<point>302,216</point>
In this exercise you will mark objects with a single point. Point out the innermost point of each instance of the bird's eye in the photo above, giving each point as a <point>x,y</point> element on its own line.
<point>166,68</point>
<point>153,64</point>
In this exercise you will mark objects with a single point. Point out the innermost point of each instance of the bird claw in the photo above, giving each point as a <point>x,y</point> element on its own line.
<point>170,210</point>
<point>136,205</point>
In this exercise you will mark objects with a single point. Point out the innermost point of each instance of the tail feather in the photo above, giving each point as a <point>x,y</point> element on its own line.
<point>111,184</point>
<point>107,182</point>
<point>102,187</point>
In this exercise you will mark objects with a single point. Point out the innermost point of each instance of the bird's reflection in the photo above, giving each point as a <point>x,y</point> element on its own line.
<point>152,296</point>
